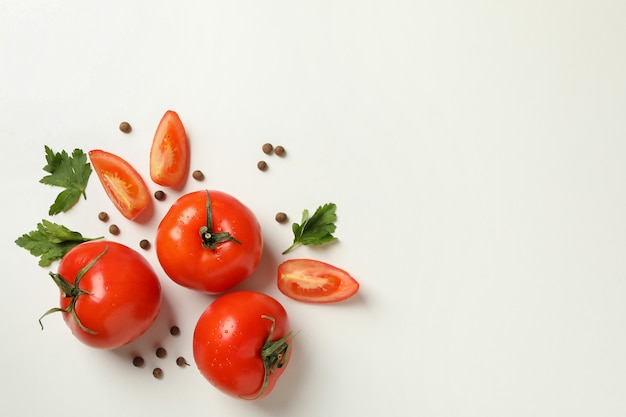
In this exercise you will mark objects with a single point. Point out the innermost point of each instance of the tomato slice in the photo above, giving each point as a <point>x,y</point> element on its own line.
<point>314,281</point>
<point>122,183</point>
<point>169,155</point>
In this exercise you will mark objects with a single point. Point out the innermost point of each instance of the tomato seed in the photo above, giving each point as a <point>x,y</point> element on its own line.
<point>279,150</point>
<point>180,361</point>
<point>197,175</point>
<point>144,244</point>
<point>138,361</point>
<point>157,373</point>
<point>262,165</point>
<point>114,230</point>
<point>125,127</point>
<point>161,353</point>
<point>268,148</point>
<point>281,217</point>
<point>159,195</point>
<point>103,216</point>
<point>174,331</point>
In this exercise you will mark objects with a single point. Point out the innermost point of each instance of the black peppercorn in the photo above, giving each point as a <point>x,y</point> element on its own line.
<point>267,148</point>
<point>161,353</point>
<point>197,175</point>
<point>125,127</point>
<point>180,361</point>
<point>279,150</point>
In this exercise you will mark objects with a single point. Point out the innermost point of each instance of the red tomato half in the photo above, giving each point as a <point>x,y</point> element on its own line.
<point>242,343</point>
<point>209,258</point>
<point>117,298</point>
<point>313,281</point>
<point>122,183</point>
<point>169,155</point>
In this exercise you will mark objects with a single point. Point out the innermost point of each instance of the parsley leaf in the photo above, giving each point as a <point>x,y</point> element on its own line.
<point>50,241</point>
<point>315,230</point>
<point>70,172</point>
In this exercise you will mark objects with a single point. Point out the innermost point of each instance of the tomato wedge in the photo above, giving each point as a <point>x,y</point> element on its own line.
<point>122,183</point>
<point>169,155</point>
<point>314,281</point>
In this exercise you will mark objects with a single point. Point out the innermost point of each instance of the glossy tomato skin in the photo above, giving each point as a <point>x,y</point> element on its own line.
<point>179,243</point>
<point>228,339</point>
<point>314,281</point>
<point>124,294</point>
<point>169,155</point>
<point>122,183</point>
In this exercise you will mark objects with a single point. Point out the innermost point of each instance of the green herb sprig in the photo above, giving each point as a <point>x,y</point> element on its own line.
<point>315,230</point>
<point>51,241</point>
<point>70,172</point>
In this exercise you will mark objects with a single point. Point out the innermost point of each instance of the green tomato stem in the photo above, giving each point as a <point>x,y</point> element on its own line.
<point>210,240</point>
<point>274,354</point>
<point>72,291</point>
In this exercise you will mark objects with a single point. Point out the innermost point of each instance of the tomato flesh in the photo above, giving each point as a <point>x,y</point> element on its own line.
<point>312,286</point>
<point>229,338</point>
<point>169,155</point>
<point>314,281</point>
<point>122,183</point>
<point>121,302</point>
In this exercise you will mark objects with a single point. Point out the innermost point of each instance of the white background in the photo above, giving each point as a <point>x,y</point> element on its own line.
<point>475,151</point>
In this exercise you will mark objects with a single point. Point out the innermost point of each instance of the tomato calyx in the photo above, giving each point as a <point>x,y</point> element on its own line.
<point>274,354</point>
<point>210,239</point>
<point>72,291</point>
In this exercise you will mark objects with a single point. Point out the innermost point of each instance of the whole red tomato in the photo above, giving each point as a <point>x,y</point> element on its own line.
<point>242,344</point>
<point>209,241</point>
<point>110,294</point>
